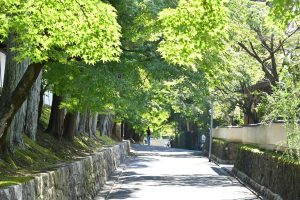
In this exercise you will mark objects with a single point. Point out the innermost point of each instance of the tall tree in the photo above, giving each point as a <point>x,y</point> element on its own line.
<point>13,73</point>
<point>58,31</point>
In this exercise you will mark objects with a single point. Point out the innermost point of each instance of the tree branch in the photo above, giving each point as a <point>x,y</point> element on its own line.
<point>262,39</point>
<point>285,39</point>
<point>247,50</point>
<point>262,62</point>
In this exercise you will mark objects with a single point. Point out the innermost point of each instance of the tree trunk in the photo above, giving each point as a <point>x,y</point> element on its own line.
<point>15,96</point>
<point>11,104</point>
<point>70,125</point>
<point>52,115</point>
<point>122,130</point>
<point>77,124</point>
<point>88,126</point>
<point>94,124</point>
<point>103,124</point>
<point>13,73</point>
<point>106,124</point>
<point>16,129</point>
<point>41,102</point>
<point>31,122</point>
<point>82,121</point>
<point>56,121</point>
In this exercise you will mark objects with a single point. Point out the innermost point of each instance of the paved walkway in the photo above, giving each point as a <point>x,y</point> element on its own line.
<point>167,173</point>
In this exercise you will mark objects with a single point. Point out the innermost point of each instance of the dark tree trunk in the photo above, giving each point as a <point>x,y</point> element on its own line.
<point>19,78</point>
<point>102,119</point>
<point>122,130</point>
<point>88,125</point>
<point>13,73</point>
<point>11,104</point>
<point>70,125</point>
<point>16,129</point>
<point>54,108</point>
<point>82,122</point>
<point>56,121</point>
<point>41,102</point>
<point>31,122</point>
<point>77,124</point>
<point>106,124</point>
<point>94,124</point>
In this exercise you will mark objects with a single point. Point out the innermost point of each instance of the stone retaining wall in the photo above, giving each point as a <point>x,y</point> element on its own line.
<point>80,179</point>
<point>224,152</point>
<point>278,175</point>
<point>265,192</point>
<point>272,177</point>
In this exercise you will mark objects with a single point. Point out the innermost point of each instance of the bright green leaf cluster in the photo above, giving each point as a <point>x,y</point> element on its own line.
<point>191,29</point>
<point>59,30</point>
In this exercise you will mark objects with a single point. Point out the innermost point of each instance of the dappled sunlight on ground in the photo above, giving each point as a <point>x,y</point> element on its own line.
<point>167,173</point>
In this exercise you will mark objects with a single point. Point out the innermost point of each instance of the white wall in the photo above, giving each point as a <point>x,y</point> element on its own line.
<point>2,67</point>
<point>48,98</point>
<point>271,136</point>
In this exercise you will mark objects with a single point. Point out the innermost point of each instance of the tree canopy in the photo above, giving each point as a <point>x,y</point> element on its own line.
<point>175,54</point>
<point>60,30</point>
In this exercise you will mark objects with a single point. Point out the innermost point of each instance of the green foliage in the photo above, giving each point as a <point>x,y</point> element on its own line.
<point>6,181</point>
<point>142,87</point>
<point>250,25</point>
<point>285,10</point>
<point>219,141</point>
<point>192,30</point>
<point>284,104</point>
<point>82,86</point>
<point>59,30</point>
<point>252,149</point>
<point>277,155</point>
<point>138,19</point>
<point>45,116</point>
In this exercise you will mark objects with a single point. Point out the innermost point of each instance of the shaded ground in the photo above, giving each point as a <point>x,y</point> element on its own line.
<point>165,173</point>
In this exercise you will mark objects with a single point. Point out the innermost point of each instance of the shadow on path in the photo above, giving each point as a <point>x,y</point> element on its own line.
<point>152,170</point>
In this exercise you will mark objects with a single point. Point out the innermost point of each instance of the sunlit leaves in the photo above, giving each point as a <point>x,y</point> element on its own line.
<point>285,10</point>
<point>58,30</point>
<point>191,29</point>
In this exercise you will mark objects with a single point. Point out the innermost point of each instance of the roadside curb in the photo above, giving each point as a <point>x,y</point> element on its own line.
<point>267,193</point>
<point>259,190</point>
<point>241,181</point>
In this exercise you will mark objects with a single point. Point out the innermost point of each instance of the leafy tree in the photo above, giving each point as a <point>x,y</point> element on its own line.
<point>55,31</point>
<point>256,51</point>
<point>284,104</point>
<point>266,42</point>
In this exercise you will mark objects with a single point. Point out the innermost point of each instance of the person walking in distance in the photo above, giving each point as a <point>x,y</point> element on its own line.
<point>148,135</point>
